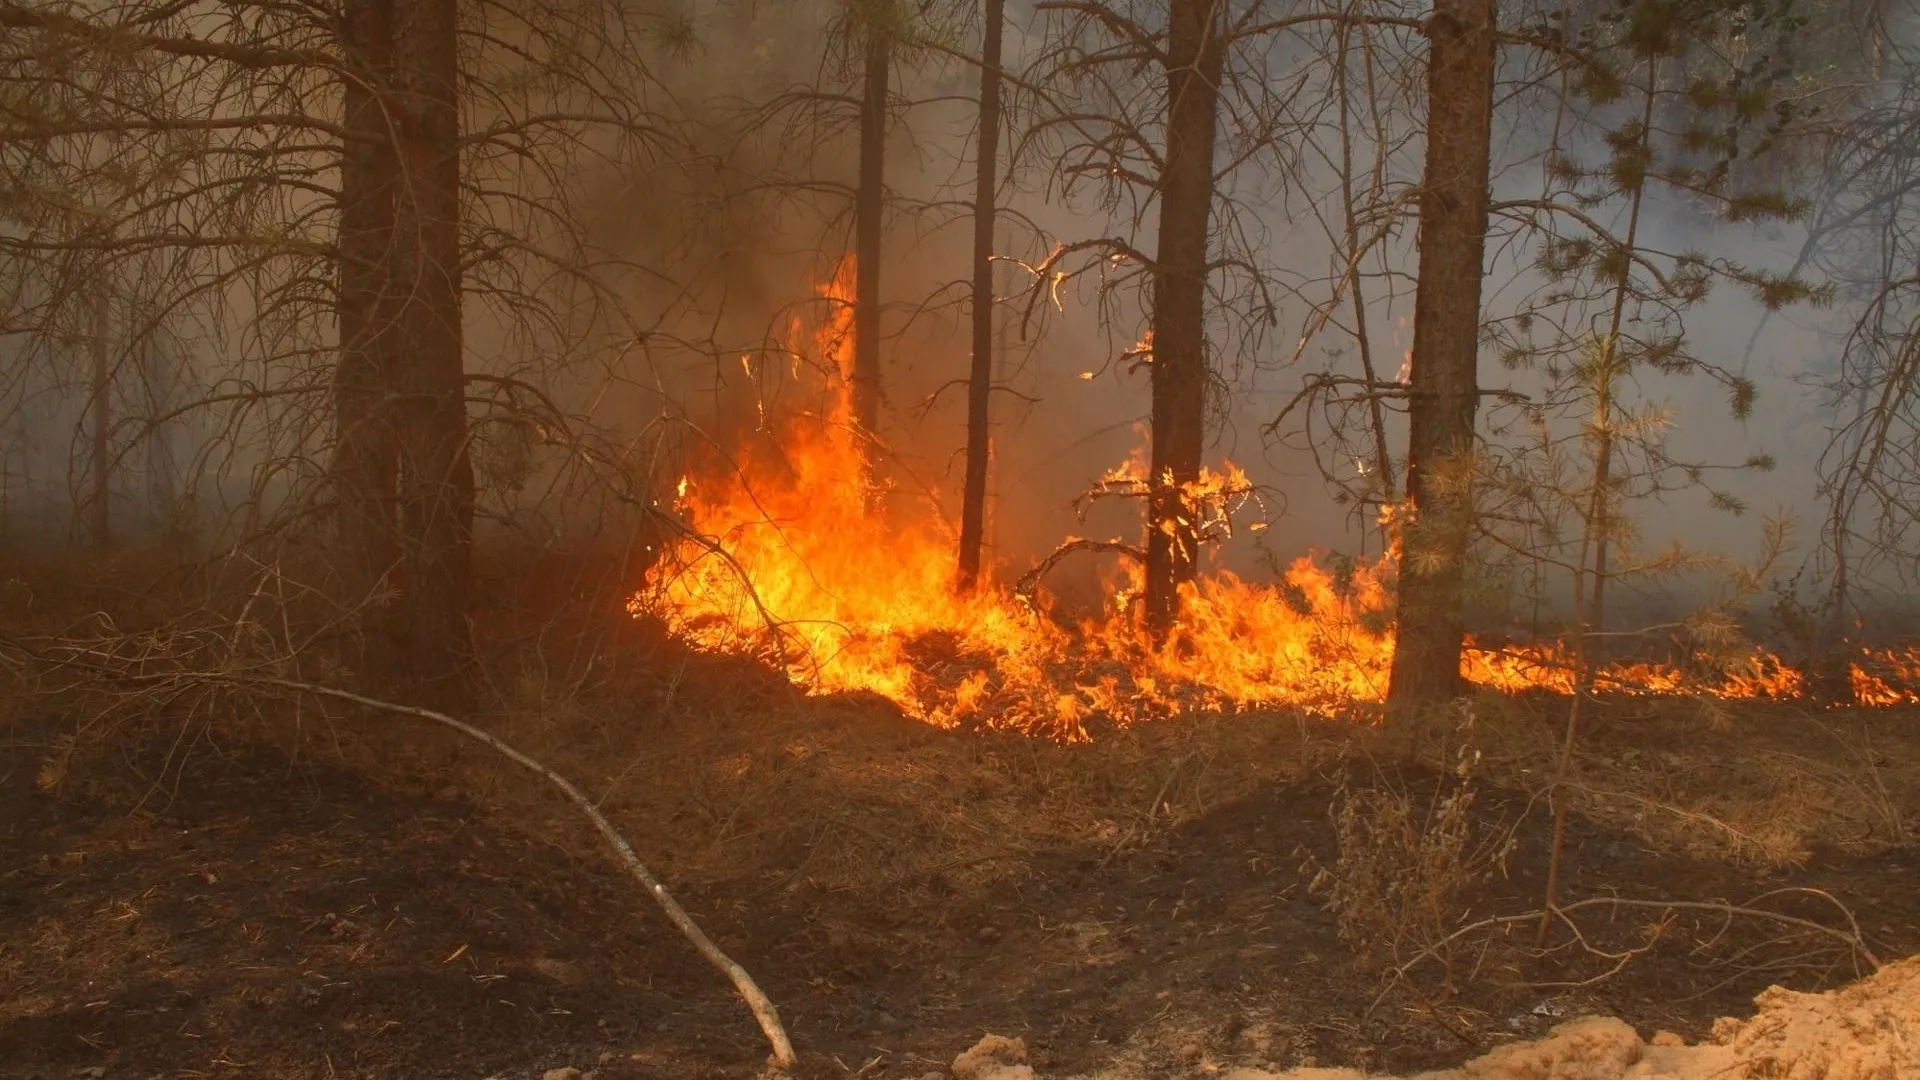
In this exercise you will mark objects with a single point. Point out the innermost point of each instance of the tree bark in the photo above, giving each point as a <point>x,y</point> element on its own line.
<point>436,473</point>
<point>869,201</point>
<point>1443,392</point>
<point>365,453</point>
<point>1195,55</point>
<point>157,378</point>
<point>973,502</point>
<point>102,472</point>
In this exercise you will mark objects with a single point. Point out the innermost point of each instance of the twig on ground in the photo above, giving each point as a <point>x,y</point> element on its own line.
<point>764,1012</point>
<point>1146,822</point>
<point>1850,937</point>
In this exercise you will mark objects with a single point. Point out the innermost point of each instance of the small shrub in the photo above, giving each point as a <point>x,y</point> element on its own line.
<point>1406,867</point>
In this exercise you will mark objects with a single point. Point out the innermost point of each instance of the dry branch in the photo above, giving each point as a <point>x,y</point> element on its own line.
<point>1850,937</point>
<point>1029,582</point>
<point>764,1012</point>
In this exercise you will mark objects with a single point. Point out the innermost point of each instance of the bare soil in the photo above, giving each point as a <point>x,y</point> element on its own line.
<point>363,900</point>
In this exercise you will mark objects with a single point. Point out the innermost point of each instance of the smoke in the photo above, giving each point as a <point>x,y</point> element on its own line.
<point>724,228</point>
<point>1070,408</point>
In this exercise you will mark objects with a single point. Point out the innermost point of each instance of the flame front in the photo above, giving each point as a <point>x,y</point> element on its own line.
<point>801,571</point>
<point>787,560</point>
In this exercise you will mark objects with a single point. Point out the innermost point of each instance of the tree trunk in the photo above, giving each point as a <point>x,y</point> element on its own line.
<point>1179,370</point>
<point>1443,392</point>
<point>436,474</point>
<point>868,203</point>
<point>157,379</point>
<point>365,455</point>
<point>1829,666</point>
<point>973,502</point>
<point>1829,662</point>
<point>102,471</point>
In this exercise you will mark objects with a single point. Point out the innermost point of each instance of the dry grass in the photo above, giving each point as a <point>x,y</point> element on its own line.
<point>724,773</point>
<point>730,777</point>
<point>1760,783</point>
<point>718,770</point>
<point>1407,864</point>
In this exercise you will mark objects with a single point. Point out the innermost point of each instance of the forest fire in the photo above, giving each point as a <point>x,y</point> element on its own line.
<point>797,567</point>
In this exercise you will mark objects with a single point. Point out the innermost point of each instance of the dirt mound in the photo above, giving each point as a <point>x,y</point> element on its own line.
<point>995,1057</point>
<point>1869,1030</point>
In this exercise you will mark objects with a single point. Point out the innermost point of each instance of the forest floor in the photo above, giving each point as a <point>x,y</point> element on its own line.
<point>353,897</point>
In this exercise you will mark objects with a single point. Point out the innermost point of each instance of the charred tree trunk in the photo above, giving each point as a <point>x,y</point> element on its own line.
<point>1195,54</point>
<point>436,473</point>
<point>365,455</point>
<point>973,503</point>
<point>868,203</point>
<point>1444,392</point>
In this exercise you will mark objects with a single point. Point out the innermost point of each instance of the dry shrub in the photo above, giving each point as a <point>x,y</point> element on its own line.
<point>1407,864</point>
<point>105,658</point>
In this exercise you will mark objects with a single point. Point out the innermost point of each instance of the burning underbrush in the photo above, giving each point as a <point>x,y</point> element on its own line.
<point>787,558</point>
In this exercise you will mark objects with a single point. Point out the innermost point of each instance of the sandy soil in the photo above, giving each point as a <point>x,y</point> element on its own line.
<point>1869,1030</point>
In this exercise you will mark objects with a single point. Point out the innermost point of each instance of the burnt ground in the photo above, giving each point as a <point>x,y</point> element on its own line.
<point>280,915</point>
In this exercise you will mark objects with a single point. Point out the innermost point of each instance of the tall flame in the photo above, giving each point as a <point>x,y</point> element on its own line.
<point>794,566</point>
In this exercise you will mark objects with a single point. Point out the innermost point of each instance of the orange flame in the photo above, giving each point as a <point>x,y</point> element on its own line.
<point>796,568</point>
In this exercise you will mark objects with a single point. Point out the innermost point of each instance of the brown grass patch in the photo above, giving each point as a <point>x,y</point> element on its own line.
<point>1761,784</point>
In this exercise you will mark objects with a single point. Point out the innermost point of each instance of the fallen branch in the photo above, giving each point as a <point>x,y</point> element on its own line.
<point>763,1009</point>
<point>1850,937</point>
<point>1029,582</point>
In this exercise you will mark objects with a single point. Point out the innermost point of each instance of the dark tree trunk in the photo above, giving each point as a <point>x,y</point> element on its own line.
<point>973,501</point>
<point>1194,57</point>
<point>436,474</point>
<point>365,456</point>
<point>157,386</point>
<point>1444,392</point>
<point>1829,664</point>
<point>868,202</point>
<point>102,471</point>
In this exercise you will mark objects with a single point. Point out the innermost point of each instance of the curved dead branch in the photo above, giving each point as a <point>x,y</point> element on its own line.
<point>764,1012</point>
<point>1849,936</point>
<point>1029,582</point>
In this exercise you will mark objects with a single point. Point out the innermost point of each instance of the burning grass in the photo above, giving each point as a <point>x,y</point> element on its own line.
<point>788,560</point>
<point>844,816</point>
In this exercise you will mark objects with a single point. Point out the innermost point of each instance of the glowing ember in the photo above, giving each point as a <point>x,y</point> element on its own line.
<point>798,569</point>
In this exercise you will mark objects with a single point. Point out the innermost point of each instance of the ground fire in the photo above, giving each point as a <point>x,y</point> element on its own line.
<point>787,560</point>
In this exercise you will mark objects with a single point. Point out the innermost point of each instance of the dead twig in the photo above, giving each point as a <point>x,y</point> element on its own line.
<point>1850,936</point>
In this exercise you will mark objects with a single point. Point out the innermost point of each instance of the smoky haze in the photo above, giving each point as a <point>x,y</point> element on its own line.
<point>1072,408</point>
<point>733,229</point>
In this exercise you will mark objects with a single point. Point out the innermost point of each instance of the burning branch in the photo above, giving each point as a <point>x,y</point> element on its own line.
<point>1029,582</point>
<point>1212,499</point>
<point>1048,277</point>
